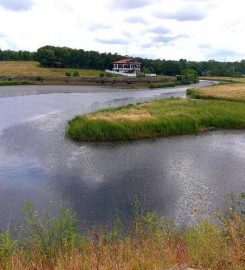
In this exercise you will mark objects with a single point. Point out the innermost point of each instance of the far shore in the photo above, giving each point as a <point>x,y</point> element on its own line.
<point>11,91</point>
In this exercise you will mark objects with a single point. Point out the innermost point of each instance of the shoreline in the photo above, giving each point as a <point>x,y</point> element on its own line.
<point>164,118</point>
<point>128,82</point>
<point>23,90</point>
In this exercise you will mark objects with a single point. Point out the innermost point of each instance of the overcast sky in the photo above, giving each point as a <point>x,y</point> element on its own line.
<point>165,29</point>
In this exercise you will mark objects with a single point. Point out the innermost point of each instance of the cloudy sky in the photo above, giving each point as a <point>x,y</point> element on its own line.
<point>165,29</point>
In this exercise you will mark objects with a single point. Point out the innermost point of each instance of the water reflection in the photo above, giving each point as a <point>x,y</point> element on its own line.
<point>174,176</point>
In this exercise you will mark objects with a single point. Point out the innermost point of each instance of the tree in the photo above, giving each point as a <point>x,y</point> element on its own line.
<point>188,76</point>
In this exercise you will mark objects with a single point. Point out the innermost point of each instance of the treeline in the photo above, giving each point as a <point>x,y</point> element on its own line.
<point>50,56</point>
<point>9,55</point>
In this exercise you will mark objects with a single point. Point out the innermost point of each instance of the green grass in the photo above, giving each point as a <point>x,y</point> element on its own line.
<point>48,242</point>
<point>157,118</point>
<point>14,82</point>
<point>164,85</point>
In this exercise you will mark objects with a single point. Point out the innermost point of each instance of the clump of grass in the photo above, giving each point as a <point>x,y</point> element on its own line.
<point>164,85</point>
<point>14,82</point>
<point>167,117</point>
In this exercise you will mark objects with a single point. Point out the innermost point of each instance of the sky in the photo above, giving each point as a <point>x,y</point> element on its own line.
<point>158,29</point>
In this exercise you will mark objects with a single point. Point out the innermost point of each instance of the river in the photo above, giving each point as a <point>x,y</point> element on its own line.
<point>183,178</point>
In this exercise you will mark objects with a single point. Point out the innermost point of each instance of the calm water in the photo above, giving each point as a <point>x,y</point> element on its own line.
<point>177,177</point>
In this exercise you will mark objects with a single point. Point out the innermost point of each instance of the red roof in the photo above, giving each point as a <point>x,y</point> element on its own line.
<point>127,61</point>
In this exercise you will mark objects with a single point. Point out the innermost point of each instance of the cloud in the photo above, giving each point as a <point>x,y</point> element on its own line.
<point>147,45</point>
<point>205,46</point>
<point>186,14</point>
<point>135,19</point>
<point>16,5</point>
<point>97,26</point>
<point>129,4</point>
<point>217,52</point>
<point>160,30</point>
<point>115,41</point>
<point>166,39</point>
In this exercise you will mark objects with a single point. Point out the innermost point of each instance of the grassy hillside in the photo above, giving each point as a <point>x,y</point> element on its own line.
<point>24,68</point>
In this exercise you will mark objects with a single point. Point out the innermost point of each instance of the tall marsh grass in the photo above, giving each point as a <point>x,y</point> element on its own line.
<point>164,118</point>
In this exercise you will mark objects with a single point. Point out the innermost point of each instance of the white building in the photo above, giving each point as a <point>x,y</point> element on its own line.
<point>126,66</point>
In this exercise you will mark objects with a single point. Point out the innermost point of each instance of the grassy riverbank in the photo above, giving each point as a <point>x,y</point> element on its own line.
<point>156,118</point>
<point>150,242</point>
<point>14,82</point>
<point>214,107</point>
<point>235,79</point>
<point>233,92</point>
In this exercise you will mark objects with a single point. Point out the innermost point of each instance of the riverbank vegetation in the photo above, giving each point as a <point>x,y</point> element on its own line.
<point>10,82</point>
<point>149,242</point>
<point>188,76</point>
<point>234,92</point>
<point>157,118</point>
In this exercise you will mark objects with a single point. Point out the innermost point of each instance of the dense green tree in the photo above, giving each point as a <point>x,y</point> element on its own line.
<point>188,76</point>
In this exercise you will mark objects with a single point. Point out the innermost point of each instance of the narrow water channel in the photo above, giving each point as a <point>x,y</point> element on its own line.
<point>183,178</point>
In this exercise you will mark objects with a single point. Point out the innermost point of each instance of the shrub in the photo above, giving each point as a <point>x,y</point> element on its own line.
<point>109,75</point>
<point>68,74</point>
<point>188,76</point>
<point>39,78</point>
<point>51,236</point>
<point>76,74</point>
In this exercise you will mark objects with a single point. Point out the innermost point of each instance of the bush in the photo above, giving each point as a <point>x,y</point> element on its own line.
<point>68,74</point>
<point>51,236</point>
<point>109,75</point>
<point>188,76</point>
<point>76,74</point>
<point>39,78</point>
